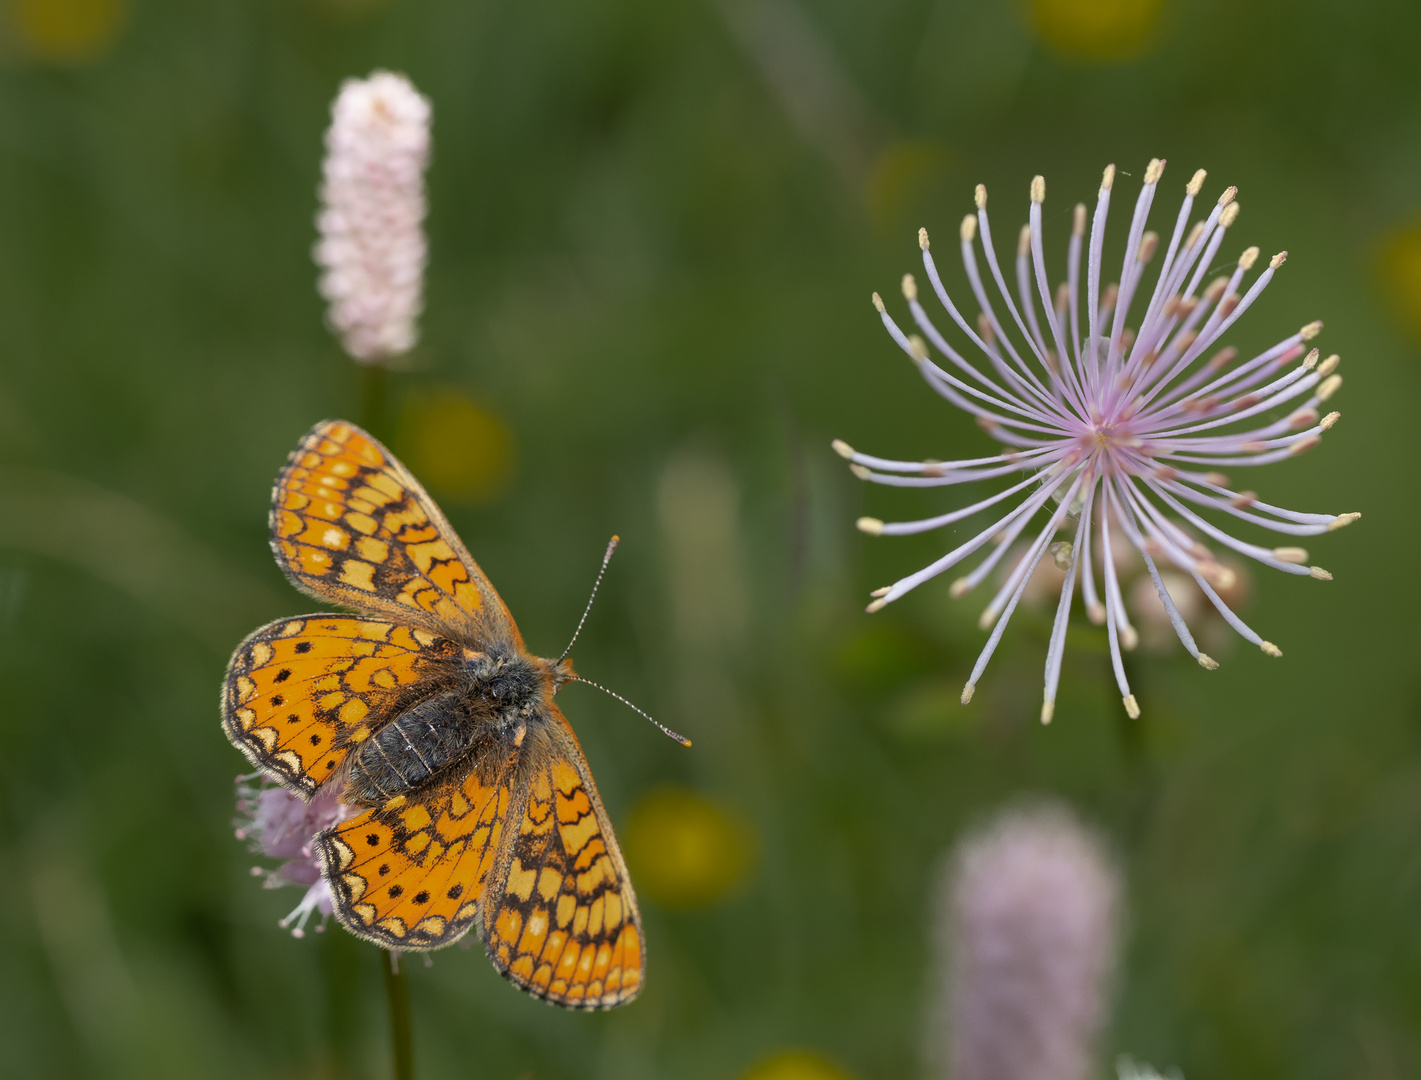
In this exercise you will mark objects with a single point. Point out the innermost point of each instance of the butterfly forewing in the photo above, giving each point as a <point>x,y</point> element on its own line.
<point>560,919</point>
<point>351,526</point>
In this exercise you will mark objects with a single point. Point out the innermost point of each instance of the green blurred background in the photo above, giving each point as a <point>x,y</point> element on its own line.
<point>654,230</point>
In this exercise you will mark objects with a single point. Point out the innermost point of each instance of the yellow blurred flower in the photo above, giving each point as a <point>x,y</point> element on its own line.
<point>685,850</point>
<point>1400,270</point>
<point>1100,31</point>
<point>903,177</point>
<point>68,31</point>
<point>795,1065</point>
<point>460,449</point>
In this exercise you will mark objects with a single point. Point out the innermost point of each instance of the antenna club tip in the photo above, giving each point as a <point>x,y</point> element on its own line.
<point>615,540</point>
<point>923,239</point>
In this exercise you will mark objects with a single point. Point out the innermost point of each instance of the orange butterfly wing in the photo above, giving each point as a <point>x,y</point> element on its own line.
<point>410,876</point>
<point>560,918</point>
<point>301,692</point>
<point>351,526</point>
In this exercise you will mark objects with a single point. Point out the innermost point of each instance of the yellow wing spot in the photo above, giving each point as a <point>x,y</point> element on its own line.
<point>575,837</point>
<point>520,881</point>
<point>424,555</point>
<point>594,917</point>
<point>395,925</point>
<point>509,924</point>
<point>417,843</point>
<point>567,905</point>
<point>458,805</point>
<point>542,976</point>
<point>358,520</point>
<point>342,468</point>
<point>353,711</point>
<point>416,818</point>
<point>359,574</point>
<point>331,702</point>
<point>424,637</point>
<point>395,803</point>
<point>245,688</point>
<point>549,882</point>
<point>360,734</point>
<point>314,561</point>
<point>375,551</point>
<point>356,884</point>
<point>344,855</point>
<point>267,737</point>
<point>522,967</point>
<point>385,679</point>
<point>614,910</point>
<point>261,654</point>
<point>293,628</point>
<point>579,922</point>
<point>365,911</point>
<point>290,759</point>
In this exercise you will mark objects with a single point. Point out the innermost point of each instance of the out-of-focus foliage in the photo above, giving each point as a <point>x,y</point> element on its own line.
<point>654,229</point>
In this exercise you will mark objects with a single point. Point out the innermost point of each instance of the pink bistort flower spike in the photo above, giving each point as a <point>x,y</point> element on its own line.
<point>1120,431</point>
<point>372,249</point>
<point>1027,927</point>
<point>281,825</point>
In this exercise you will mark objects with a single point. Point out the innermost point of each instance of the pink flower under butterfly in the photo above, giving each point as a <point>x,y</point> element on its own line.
<point>1120,431</point>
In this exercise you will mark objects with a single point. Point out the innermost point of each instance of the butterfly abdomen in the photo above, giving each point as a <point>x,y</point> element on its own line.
<point>425,741</point>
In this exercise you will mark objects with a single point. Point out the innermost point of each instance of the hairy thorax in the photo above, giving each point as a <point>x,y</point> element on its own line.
<point>494,701</point>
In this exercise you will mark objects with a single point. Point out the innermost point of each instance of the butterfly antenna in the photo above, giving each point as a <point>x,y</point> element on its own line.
<point>611,547</point>
<point>679,738</point>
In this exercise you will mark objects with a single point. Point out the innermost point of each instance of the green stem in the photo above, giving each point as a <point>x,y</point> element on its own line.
<point>397,990</point>
<point>374,380</point>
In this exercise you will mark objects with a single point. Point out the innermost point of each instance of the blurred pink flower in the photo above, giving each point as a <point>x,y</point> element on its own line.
<point>1118,430</point>
<point>1027,919</point>
<point>372,249</point>
<point>281,825</point>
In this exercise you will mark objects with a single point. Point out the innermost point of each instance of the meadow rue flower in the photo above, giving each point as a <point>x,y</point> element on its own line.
<point>1121,431</point>
<point>282,825</point>
<point>1027,919</point>
<point>372,249</point>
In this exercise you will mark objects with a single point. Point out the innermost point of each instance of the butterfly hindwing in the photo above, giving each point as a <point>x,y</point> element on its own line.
<point>300,692</point>
<point>560,918</point>
<point>351,526</point>
<point>410,876</point>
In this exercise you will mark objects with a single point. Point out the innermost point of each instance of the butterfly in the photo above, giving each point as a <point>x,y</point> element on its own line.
<point>477,809</point>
